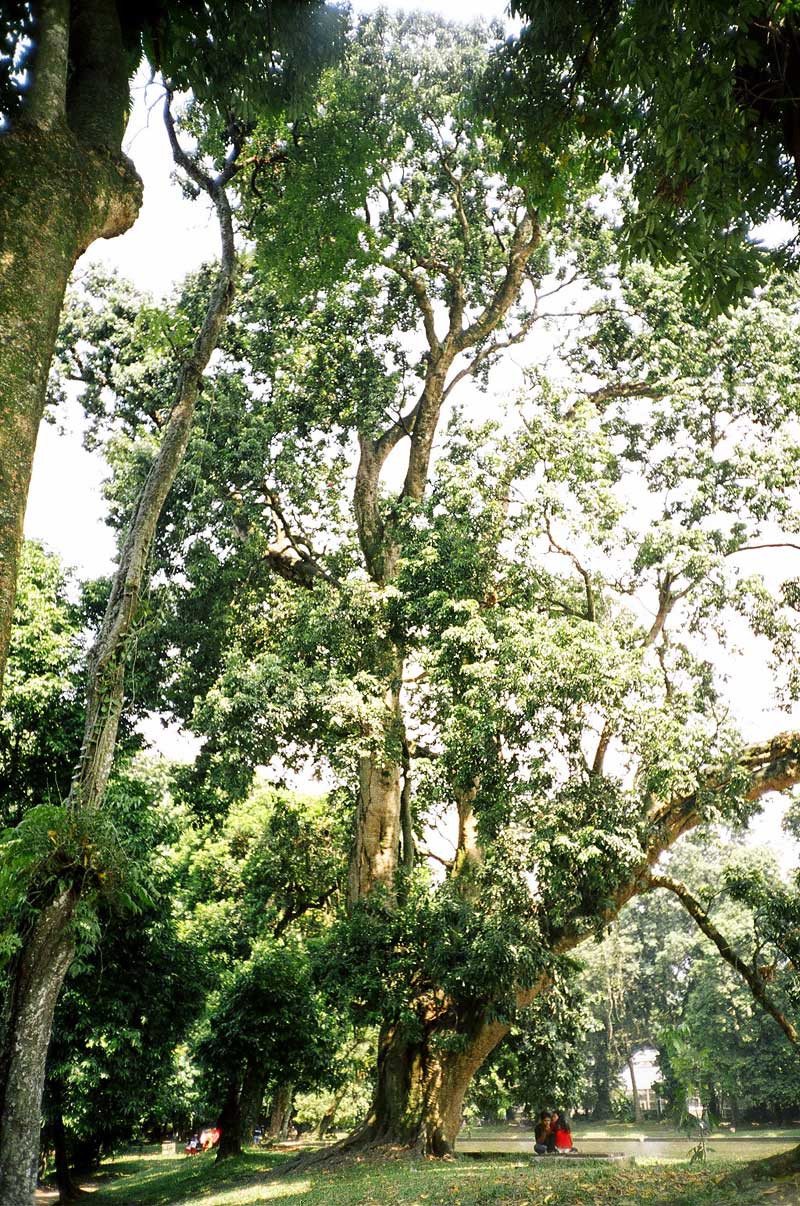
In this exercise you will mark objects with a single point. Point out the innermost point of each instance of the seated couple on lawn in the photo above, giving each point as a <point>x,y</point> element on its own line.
<point>553,1136</point>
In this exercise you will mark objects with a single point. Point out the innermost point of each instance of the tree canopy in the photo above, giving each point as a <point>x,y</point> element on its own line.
<point>696,101</point>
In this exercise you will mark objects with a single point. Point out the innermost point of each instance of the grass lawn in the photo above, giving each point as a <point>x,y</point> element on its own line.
<point>153,1179</point>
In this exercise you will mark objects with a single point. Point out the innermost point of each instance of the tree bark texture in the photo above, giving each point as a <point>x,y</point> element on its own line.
<point>419,1094</point>
<point>64,183</point>
<point>36,979</point>
<point>23,1079</point>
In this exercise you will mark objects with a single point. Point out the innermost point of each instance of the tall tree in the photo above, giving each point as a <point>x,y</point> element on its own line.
<point>49,890</point>
<point>494,630</point>
<point>65,94</point>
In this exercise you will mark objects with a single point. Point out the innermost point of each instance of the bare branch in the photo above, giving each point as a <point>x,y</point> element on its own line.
<point>778,544</point>
<point>417,287</point>
<point>491,349</point>
<point>584,573</point>
<point>294,559</point>
<point>524,242</point>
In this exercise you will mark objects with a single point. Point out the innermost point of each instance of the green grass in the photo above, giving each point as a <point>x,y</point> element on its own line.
<point>152,1179</point>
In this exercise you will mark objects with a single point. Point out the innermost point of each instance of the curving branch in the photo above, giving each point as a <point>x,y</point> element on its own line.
<point>752,979</point>
<point>771,766</point>
<point>584,573</point>
<point>292,557</point>
<point>105,691</point>
<point>524,242</point>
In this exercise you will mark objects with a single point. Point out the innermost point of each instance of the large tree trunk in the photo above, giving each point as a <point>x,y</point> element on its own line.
<point>65,183</point>
<point>28,1011</point>
<point>376,842</point>
<point>420,1088</point>
<point>229,1121</point>
<point>36,980</point>
<point>250,1102</point>
<point>375,852</point>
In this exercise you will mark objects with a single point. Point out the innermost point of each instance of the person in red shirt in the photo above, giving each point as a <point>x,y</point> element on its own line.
<point>560,1127</point>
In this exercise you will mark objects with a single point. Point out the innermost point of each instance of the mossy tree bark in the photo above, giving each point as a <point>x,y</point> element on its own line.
<point>35,980</point>
<point>65,183</point>
<point>31,998</point>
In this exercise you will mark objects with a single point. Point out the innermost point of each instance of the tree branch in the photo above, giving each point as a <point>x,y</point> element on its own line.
<point>417,287</point>
<point>291,558</point>
<point>523,244</point>
<point>771,766</point>
<point>753,980</point>
<point>584,573</point>
<point>626,389</point>
<point>105,692</point>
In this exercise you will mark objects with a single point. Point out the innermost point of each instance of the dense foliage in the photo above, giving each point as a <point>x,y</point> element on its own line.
<point>698,101</point>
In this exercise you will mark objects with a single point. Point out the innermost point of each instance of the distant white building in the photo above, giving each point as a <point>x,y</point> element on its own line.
<point>642,1072</point>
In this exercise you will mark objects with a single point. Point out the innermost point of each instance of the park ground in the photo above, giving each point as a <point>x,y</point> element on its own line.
<point>155,1178</point>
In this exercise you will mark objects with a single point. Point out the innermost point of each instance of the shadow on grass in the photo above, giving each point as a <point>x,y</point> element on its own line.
<point>170,1179</point>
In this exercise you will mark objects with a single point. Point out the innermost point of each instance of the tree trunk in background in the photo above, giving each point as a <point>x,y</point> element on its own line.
<point>229,1121</point>
<point>65,183</point>
<point>602,1077</point>
<point>35,982</point>
<point>280,1112</point>
<point>637,1109</point>
<point>251,1099</point>
<point>64,1182</point>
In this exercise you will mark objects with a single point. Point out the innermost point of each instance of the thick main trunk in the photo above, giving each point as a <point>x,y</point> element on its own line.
<point>376,842</point>
<point>378,825</point>
<point>36,980</point>
<point>229,1121</point>
<point>58,196</point>
<point>420,1088</point>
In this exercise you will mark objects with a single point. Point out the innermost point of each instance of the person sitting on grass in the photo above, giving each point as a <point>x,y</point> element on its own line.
<point>544,1136</point>
<point>563,1136</point>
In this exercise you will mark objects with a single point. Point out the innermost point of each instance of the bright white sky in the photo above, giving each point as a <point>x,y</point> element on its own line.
<point>171,237</point>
